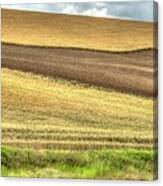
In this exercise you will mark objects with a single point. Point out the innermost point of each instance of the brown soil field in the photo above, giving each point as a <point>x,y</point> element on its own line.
<point>127,72</point>
<point>61,30</point>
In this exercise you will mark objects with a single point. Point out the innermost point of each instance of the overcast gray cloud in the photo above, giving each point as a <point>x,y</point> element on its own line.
<point>136,10</point>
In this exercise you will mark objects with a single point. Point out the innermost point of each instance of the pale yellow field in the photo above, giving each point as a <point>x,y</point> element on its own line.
<point>47,113</point>
<point>44,29</point>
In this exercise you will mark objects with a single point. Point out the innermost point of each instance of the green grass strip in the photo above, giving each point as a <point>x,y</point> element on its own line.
<point>102,164</point>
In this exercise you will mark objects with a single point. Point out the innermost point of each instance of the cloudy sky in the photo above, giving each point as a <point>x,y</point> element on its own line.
<point>136,10</point>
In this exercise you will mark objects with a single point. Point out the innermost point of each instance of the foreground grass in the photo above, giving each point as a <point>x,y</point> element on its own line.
<point>56,114</point>
<point>29,28</point>
<point>104,164</point>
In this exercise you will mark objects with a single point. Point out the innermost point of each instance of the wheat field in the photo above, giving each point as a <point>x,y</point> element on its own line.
<point>78,97</point>
<point>57,118</point>
<point>41,112</point>
<point>31,28</point>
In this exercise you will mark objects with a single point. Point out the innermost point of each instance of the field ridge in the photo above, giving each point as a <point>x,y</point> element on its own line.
<point>83,49</point>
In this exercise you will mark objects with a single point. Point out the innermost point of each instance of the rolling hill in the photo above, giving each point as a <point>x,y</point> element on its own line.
<point>59,30</point>
<point>81,117</point>
<point>78,97</point>
<point>57,128</point>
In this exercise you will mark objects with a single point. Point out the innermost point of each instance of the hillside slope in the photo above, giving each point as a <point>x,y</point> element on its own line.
<point>132,72</point>
<point>47,113</point>
<point>45,29</point>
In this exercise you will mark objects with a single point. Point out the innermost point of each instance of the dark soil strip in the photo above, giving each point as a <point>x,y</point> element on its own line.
<point>132,72</point>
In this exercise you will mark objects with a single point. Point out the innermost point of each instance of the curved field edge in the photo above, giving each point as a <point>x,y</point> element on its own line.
<point>31,28</point>
<point>104,164</point>
<point>116,51</point>
<point>57,110</point>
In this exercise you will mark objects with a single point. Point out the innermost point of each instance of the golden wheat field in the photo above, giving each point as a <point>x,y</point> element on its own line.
<point>58,118</point>
<point>78,97</point>
<point>30,28</point>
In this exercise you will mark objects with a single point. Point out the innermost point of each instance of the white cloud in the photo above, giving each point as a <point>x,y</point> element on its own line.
<point>96,12</point>
<point>69,9</point>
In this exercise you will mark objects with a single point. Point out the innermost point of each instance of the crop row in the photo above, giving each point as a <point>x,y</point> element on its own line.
<point>62,130</point>
<point>72,145</point>
<point>76,137</point>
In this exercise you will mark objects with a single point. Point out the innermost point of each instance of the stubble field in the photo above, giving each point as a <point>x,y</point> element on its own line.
<point>55,117</point>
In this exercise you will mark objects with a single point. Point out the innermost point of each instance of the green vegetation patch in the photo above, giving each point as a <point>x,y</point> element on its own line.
<point>104,164</point>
